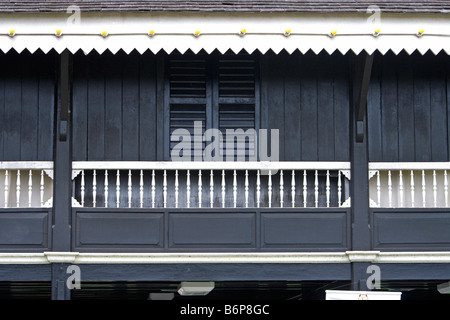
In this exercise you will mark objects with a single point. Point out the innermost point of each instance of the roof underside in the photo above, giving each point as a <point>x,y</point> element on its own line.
<point>343,6</point>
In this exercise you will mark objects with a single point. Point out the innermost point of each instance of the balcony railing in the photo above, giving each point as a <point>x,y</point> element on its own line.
<point>211,184</point>
<point>26,184</point>
<point>409,184</point>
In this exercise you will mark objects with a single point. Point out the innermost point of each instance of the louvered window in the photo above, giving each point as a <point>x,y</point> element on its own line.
<point>221,92</point>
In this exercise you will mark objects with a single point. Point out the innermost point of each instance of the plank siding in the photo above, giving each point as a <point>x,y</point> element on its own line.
<point>408,108</point>
<point>114,107</point>
<point>307,99</point>
<point>27,107</point>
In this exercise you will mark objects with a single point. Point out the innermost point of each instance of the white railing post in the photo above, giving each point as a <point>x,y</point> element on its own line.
<point>106,188</point>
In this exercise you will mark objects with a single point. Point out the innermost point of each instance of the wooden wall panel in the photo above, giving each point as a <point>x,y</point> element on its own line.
<point>410,229</point>
<point>25,230</point>
<point>306,97</point>
<point>27,92</point>
<point>114,107</point>
<point>207,230</point>
<point>408,108</point>
<point>307,100</point>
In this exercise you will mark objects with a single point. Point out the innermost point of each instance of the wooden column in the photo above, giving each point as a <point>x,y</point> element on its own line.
<point>60,290</point>
<point>359,163</point>
<point>62,157</point>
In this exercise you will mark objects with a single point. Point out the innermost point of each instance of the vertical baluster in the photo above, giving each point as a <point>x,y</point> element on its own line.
<point>106,188</point>
<point>94,188</point>
<point>269,188</point>
<point>130,188</point>
<point>223,188</point>
<point>445,189</point>
<point>18,189</point>
<point>293,188</point>
<point>118,189</point>
<point>141,189</point>
<point>176,188</point>
<point>400,187</point>
<point>30,187</point>
<point>339,188</point>
<point>378,189</point>
<point>188,189</point>
<point>412,189</point>
<point>246,188</point>
<point>6,188</point>
<point>424,194</point>
<point>82,188</point>
<point>199,188</point>
<point>390,188</point>
<point>211,189</point>
<point>328,188</point>
<point>305,189</point>
<point>258,188</point>
<point>316,189</point>
<point>165,188</point>
<point>153,188</point>
<point>434,189</point>
<point>42,188</point>
<point>234,189</point>
<point>281,189</point>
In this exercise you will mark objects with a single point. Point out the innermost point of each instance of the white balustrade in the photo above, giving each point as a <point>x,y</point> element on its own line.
<point>26,184</point>
<point>394,179</point>
<point>241,184</point>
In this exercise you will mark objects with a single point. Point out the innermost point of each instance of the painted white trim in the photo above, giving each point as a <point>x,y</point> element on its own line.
<point>210,165</point>
<point>61,257</point>
<point>330,32</point>
<point>256,257</point>
<point>26,165</point>
<point>23,258</point>
<point>409,165</point>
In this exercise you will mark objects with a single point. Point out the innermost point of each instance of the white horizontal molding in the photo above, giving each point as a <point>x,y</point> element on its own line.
<point>219,31</point>
<point>413,257</point>
<point>213,258</point>
<point>211,165</point>
<point>26,165</point>
<point>409,165</point>
<point>257,257</point>
<point>23,258</point>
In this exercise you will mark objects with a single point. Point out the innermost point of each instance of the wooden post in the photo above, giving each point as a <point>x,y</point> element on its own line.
<point>63,158</point>
<point>60,290</point>
<point>359,163</point>
<point>61,235</point>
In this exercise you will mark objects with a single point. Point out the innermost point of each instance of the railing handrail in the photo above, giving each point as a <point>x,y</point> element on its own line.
<point>409,165</point>
<point>211,165</point>
<point>26,165</point>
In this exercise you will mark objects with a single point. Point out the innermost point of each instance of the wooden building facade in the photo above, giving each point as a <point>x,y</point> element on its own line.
<point>87,178</point>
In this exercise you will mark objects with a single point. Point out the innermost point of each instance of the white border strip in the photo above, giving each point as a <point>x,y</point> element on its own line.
<point>409,165</point>
<point>18,165</point>
<point>211,165</point>
<point>257,257</point>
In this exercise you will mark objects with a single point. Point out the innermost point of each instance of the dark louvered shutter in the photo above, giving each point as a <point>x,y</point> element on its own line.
<point>188,96</point>
<point>237,103</point>
<point>218,91</point>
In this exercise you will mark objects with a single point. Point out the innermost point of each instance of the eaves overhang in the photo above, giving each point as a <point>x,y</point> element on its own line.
<point>263,32</point>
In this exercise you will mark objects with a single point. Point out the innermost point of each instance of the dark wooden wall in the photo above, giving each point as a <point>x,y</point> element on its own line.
<point>408,108</point>
<point>306,97</point>
<point>114,107</point>
<point>27,106</point>
<point>117,103</point>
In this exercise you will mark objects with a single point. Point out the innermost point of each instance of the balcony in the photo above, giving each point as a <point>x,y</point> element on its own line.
<point>138,206</point>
